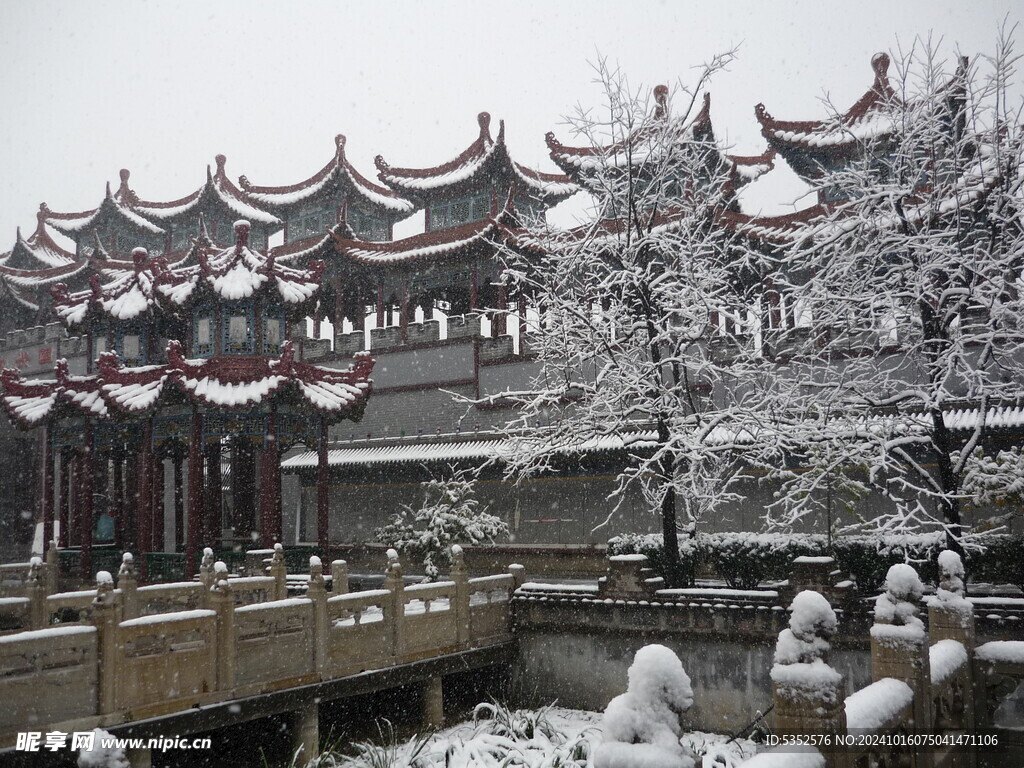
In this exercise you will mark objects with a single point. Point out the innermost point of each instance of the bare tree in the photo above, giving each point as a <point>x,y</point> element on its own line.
<point>908,282</point>
<point>645,330</point>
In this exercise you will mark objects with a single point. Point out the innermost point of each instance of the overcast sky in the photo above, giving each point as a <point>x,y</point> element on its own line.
<point>160,88</point>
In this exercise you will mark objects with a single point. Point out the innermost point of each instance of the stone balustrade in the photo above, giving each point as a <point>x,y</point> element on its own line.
<point>220,643</point>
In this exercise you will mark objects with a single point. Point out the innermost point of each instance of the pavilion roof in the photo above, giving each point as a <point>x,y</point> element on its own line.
<point>485,157</point>
<point>655,137</point>
<point>111,208</point>
<point>338,172</point>
<point>225,383</point>
<point>451,243</point>
<point>39,250</point>
<point>812,146</point>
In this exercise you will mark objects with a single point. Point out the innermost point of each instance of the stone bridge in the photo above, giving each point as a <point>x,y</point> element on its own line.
<point>194,656</point>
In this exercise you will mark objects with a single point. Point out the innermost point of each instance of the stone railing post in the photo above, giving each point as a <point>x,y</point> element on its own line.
<point>951,617</point>
<point>35,590</point>
<point>395,614</point>
<point>339,577</point>
<point>518,575</point>
<point>105,618</point>
<point>206,569</point>
<point>222,602</point>
<point>52,568</point>
<point>318,594</point>
<point>808,694</point>
<point>460,576</point>
<point>899,642</point>
<point>129,585</point>
<point>279,572</point>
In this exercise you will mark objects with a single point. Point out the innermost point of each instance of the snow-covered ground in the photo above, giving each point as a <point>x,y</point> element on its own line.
<point>551,737</point>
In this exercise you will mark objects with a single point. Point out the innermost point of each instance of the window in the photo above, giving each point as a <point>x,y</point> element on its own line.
<point>203,346</point>
<point>310,223</point>
<point>273,334</point>
<point>130,347</point>
<point>238,329</point>
<point>367,227</point>
<point>99,346</point>
<point>463,210</point>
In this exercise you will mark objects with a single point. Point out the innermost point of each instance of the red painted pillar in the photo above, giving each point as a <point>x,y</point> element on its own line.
<point>158,504</point>
<point>75,515</point>
<point>144,498</point>
<point>118,501</point>
<point>323,520</point>
<point>403,316</point>
<point>500,325</point>
<point>270,471</point>
<point>179,502</point>
<point>380,306</point>
<point>86,515</point>
<point>195,496</point>
<point>474,290</point>
<point>214,508</point>
<point>64,500</point>
<point>47,486</point>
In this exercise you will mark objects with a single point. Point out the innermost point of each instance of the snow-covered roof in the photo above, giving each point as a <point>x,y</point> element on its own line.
<point>338,172</point>
<point>662,133</point>
<point>115,391</point>
<point>129,295</point>
<point>486,156</point>
<point>111,208</point>
<point>39,250</point>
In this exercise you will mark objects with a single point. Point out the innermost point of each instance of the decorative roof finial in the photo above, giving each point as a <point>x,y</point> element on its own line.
<point>242,228</point>
<point>139,258</point>
<point>339,145</point>
<point>880,63</point>
<point>221,160</point>
<point>484,118</point>
<point>660,101</point>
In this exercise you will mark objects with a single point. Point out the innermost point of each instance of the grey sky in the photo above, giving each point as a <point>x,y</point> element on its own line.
<point>161,87</point>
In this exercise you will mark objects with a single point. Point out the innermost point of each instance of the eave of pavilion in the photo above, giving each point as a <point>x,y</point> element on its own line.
<point>38,251</point>
<point>228,383</point>
<point>486,159</point>
<point>130,295</point>
<point>579,163</point>
<point>218,194</point>
<point>111,210</point>
<point>812,147</point>
<point>337,179</point>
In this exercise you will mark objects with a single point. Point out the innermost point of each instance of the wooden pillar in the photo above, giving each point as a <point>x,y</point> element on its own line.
<point>158,503</point>
<point>214,510</point>
<point>774,308</point>
<point>179,501</point>
<point>474,289</point>
<point>243,486</point>
<point>323,520</point>
<point>86,514</point>
<point>404,309</point>
<point>270,470</point>
<point>380,306</point>
<point>499,327</point>
<point>195,496</point>
<point>144,499</point>
<point>357,311</point>
<point>75,493</point>
<point>46,492</point>
<point>64,498</point>
<point>339,306</point>
<point>117,502</point>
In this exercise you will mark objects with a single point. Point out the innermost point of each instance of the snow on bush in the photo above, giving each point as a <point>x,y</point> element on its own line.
<point>641,726</point>
<point>801,669</point>
<point>450,514</point>
<point>100,756</point>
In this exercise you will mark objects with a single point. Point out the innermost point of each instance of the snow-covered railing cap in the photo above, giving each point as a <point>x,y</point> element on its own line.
<point>392,555</point>
<point>315,562</point>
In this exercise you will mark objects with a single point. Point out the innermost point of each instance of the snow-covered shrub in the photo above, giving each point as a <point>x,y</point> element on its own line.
<point>100,756</point>
<point>450,514</point>
<point>641,726</point>
<point>868,558</point>
<point>1001,562</point>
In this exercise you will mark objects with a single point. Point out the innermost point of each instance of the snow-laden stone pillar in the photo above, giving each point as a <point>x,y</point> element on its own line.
<point>394,614</point>
<point>460,576</point>
<point>432,702</point>
<point>221,601</point>
<point>899,643</point>
<point>952,637</point>
<point>317,593</point>
<point>105,618</point>
<point>279,573</point>
<point>306,734</point>
<point>339,577</point>
<point>35,591</point>
<point>808,694</point>
<point>128,584</point>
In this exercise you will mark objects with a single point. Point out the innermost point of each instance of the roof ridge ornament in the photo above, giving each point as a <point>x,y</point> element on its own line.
<point>221,161</point>
<point>140,259</point>
<point>242,229</point>
<point>484,119</point>
<point>660,102</point>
